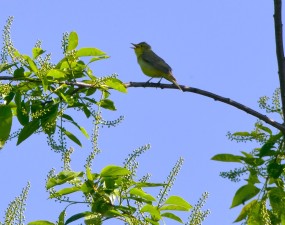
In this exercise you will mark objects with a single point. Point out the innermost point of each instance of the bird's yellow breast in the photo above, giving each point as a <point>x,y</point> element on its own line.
<point>148,69</point>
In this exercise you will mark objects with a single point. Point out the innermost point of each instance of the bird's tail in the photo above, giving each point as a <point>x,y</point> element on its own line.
<point>173,80</point>
<point>176,84</point>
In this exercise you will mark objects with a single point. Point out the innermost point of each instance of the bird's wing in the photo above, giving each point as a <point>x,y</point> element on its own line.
<point>157,62</point>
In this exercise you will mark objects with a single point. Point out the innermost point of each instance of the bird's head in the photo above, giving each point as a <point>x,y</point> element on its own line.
<point>141,47</point>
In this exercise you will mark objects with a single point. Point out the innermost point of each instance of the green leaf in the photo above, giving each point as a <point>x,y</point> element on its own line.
<point>177,201</point>
<point>153,211</point>
<point>19,72</point>
<point>114,213</point>
<point>8,98</point>
<point>264,128</point>
<point>89,52</point>
<point>274,169</point>
<point>56,74</point>
<point>26,86</point>
<point>116,84</point>
<point>77,217</point>
<point>107,104</point>
<point>65,191</point>
<point>98,58</point>
<point>68,117</point>
<point>95,219</point>
<point>22,110</point>
<point>243,194</point>
<point>253,177</point>
<point>282,219</point>
<point>48,120</point>
<point>112,170</point>
<point>142,194</point>
<point>32,64</point>
<point>146,184</point>
<point>72,137</point>
<point>62,178</point>
<point>91,100</point>
<point>106,94</point>
<point>82,129</point>
<point>72,41</point>
<point>5,123</point>
<point>242,134</point>
<point>227,158</point>
<point>125,209</point>
<point>245,210</point>
<point>276,198</point>
<point>247,155</point>
<point>28,74</point>
<point>41,222</point>
<point>266,149</point>
<point>5,66</point>
<point>45,83</point>
<point>28,130</point>
<point>255,217</point>
<point>84,132</point>
<point>89,174</point>
<point>67,98</point>
<point>37,52</point>
<point>253,161</point>
<point>172,216</point>
<point>86,111</point>
<point>61,218</point>
<point>173,207</point>
<point>90,91</point>
<point>86,187</point>
<point>137,199</point>
<point>150,221</point>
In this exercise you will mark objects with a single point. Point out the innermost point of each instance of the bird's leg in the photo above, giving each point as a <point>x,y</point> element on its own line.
<point>147,82</point>
<point>159,80</point>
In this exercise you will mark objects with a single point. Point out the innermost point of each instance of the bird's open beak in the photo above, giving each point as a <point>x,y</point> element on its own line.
<point>134,46</point>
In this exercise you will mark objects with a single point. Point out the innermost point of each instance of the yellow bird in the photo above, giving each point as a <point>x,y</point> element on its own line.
<point>152,65</point>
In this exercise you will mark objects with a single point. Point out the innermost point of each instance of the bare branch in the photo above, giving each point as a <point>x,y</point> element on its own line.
<point>215,97</point>
<point>280,49</point>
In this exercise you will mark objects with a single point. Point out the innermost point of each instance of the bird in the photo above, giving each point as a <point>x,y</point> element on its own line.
<point>152,65</point>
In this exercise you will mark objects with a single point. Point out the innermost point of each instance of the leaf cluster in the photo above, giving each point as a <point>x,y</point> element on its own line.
<point>112,194</point>
<point>39,93</point>
<point>263,170</point>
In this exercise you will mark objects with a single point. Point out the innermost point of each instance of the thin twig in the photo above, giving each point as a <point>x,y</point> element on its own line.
<point>280,49</point>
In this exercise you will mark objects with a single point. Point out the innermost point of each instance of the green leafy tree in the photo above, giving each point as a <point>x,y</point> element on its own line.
<point>40,95</point>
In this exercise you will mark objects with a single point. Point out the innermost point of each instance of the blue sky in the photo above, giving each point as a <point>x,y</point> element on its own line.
<point>226,47</point>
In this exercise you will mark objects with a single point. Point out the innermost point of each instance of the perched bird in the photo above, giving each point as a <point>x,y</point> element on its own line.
<point>152,65</point>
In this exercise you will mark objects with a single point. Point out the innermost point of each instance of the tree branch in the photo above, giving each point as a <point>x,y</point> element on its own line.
<point>280,49</point>
<point>216,97</point>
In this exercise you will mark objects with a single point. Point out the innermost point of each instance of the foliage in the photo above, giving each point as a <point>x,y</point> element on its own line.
<point>263,169</point>
<point>112,193</point>
<point>40,94</point>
